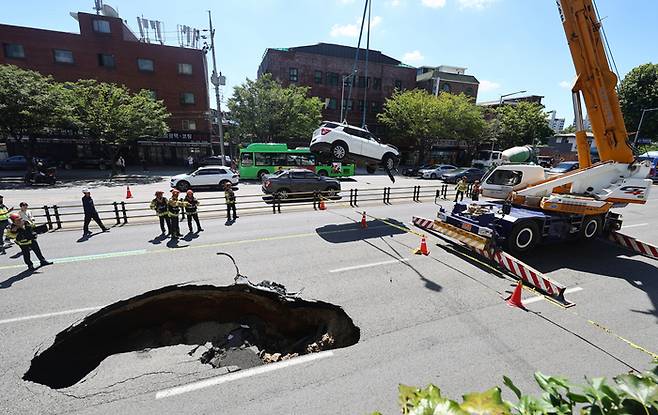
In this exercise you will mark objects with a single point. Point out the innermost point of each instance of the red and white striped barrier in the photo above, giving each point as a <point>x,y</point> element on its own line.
<point>633,244</point>
<point>508,263</point>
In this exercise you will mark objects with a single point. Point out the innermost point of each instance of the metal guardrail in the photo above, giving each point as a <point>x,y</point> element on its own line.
<point>58,216</point>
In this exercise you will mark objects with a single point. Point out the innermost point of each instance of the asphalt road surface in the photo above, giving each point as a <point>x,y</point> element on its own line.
<point>439,319</point>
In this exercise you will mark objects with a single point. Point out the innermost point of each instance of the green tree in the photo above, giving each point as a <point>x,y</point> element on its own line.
<point>520,124</point>
<point>569,129</point>
<point>637,91</point>
<point>265,111</point>
<point>418,119</point>
<point>112,115</point>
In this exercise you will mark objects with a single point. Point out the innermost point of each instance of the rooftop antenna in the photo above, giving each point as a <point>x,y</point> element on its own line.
<point>98,6</point>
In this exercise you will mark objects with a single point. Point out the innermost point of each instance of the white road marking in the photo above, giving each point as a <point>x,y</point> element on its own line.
<point>178,390</point>
<point>57,313</point>
<point>374,264</point>
<point>633,226</point>
<point>541,297</point>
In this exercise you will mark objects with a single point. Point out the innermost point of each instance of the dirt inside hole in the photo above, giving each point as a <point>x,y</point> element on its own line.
<point>242,325</point>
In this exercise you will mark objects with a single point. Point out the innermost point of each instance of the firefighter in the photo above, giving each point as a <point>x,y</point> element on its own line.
<point>4,223</point>
<point>159,204</point>
<point>173,206</point>
<point>461,188</point>
<point>229,195</point>
<point>26,239</point>
<point>191,205</point>
<point>477,189</point>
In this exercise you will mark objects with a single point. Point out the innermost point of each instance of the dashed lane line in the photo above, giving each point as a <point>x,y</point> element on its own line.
<point>46,315</point>
<point>202,384</point>
<point>637,225</point>
<point>374,264</point>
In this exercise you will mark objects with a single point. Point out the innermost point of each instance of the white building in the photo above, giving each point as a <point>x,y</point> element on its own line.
<point>555,124</point>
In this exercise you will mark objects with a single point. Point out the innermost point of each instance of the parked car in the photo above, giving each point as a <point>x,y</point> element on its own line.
<point>413,171</point>
<point>205,177</point>
<point>13,163</point>
<point>436,171</point>
<point>470,173</point>
<point>564,167</point>
<point>299,183</point>
<point>344,142</point>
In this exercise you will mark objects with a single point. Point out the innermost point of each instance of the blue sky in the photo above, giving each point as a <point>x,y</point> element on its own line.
<point>509,45</point>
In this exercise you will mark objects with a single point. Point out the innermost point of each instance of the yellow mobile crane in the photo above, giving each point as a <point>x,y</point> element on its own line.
<point>541,208</point>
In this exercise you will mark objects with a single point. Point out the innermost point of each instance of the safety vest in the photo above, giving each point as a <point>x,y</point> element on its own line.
<point>4,212</point>
<point>462,186</point>
<point>23,236</point>
<point>160,206</point>
<point>191,205</point>
<point>229,195</point>
<point>174,206</point>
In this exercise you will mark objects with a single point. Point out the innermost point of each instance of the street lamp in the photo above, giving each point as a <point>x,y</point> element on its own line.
<point>342,94</point>
<point>506,95</point>
<point>637,133</point>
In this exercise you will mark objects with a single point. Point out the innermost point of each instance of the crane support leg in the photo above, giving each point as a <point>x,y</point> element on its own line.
<point>504,261</point>
<point>633,244</point>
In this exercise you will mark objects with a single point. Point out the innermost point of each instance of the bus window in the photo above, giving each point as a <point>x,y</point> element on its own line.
<point>263,159</point>
<point>278,159</point>
<point>247,159</point>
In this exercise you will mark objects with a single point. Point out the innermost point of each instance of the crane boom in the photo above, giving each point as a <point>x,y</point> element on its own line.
<point>596,82</point>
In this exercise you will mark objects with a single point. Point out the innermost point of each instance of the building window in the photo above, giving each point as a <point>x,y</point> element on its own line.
<point>332,78</point>
<point>145,65</point>
<point>446,88</point>
<point>187,98</point>
<point>293,74</point>
<point>63,56</point>
<point>363,82</point>
<point>14,50</point>
<point>106,60</point>
<point>398,84</point>
<point>332,103</point>
<point>469,91</point>
<point>101,26</point>
<point>318,77</point>
<point>377,83</point>
<point>185,68</point>
<point>189,125</point>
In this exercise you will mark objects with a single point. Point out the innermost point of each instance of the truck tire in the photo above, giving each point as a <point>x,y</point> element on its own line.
<point>524,236</point>
<point>591,227</point>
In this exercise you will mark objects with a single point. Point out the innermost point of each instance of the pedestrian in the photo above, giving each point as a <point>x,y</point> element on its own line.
<point>173,206</point>
<point>191,205</point>
<point>121,164</point>
<point>90,213</point>
<point>475,192</point>
<point>4,222</point>
<point>161,207</point>
<point>25,214</point>
<point>26,239</point>
<point>461,188</point>
<point>229,195</point>
<point>190,161</point>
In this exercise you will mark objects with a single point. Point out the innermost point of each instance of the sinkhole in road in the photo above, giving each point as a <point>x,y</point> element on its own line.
<point>242,325</point>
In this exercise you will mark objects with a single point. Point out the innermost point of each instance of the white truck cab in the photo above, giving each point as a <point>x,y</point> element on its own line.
<point>488,158</point>
<point>503,180</point>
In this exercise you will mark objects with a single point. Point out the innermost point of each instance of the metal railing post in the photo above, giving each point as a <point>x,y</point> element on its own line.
<point>352,197</point>
<point>116,212</point>
<point>123,210</point>
<point>48,221</point>
<point>58,221</point>
<point>355,197</point>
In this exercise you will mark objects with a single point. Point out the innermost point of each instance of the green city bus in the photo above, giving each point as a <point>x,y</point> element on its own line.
<point>258,159</point>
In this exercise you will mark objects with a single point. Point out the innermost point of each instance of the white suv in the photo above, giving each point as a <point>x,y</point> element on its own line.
<point>341,142</point>
<point>205,177</point>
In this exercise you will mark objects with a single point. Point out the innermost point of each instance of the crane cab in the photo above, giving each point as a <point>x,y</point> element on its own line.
<point>505,179</point>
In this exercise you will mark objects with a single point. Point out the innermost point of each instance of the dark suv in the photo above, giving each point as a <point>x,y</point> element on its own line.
<point>299,183</point>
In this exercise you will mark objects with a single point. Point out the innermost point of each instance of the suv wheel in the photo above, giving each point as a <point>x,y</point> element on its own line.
<point>331,191</point>
<point>433,176</point>
<point>183,186</point>
<point>388,161</point>
<point>282,194</point>
<point>223,183</point>
<point>339,151</point>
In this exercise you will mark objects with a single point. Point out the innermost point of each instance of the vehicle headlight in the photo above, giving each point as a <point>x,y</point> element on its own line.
<point>485,232</point>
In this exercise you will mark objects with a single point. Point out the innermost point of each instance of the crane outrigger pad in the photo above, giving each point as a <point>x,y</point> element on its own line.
<point>500,258</point>
<point>635,245</point>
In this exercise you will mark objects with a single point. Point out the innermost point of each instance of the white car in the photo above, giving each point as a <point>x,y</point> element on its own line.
<point>341,142</point>
<point>436,171</point>
<point>205,177</point>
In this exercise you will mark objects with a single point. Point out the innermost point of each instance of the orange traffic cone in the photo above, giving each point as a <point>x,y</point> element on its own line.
<point>423,247</point>
<point>364,222</point>
<point>515,298</point>
<point>321,205</point>
<point>129,194</point>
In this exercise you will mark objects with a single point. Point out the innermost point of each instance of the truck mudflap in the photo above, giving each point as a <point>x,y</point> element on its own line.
<point>504,261</point>
<point>633,244</point>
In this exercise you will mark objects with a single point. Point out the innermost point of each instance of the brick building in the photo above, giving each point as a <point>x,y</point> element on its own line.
<point>324,67</point>
<point>107,50</point>
<point>449,79</point>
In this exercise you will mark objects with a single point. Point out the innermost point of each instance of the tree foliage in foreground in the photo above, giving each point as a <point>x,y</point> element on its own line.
<point>638,91</point>
<point>266,111</point>
<point>629,394</point>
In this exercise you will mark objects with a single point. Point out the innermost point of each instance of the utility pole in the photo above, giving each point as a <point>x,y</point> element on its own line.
<point>215,80</point>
